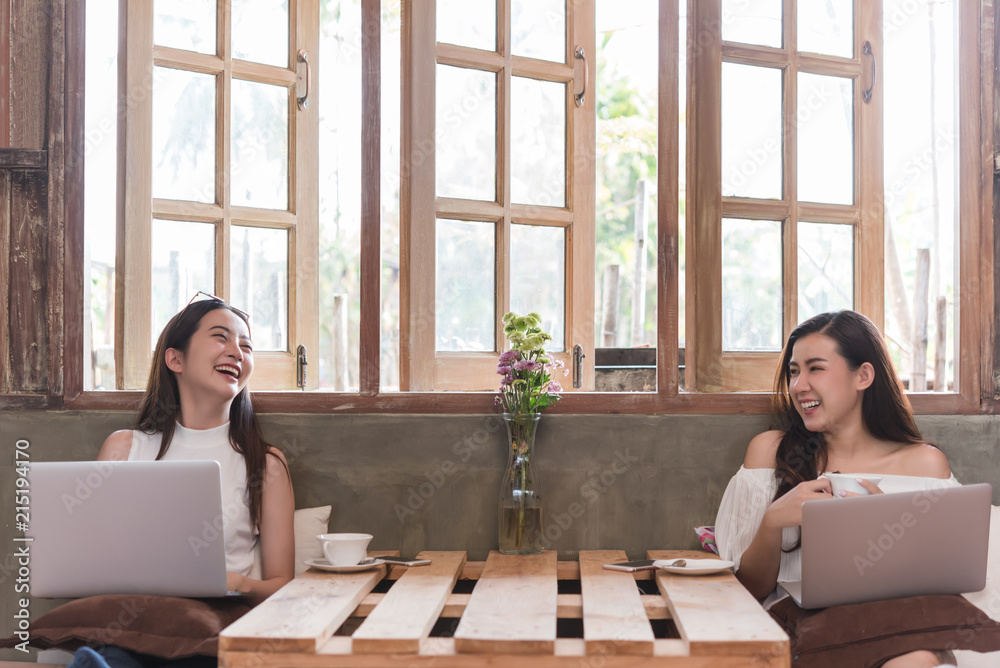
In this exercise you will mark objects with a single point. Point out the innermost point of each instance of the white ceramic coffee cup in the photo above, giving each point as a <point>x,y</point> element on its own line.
<point>848,482</point>
<point>344,549</point>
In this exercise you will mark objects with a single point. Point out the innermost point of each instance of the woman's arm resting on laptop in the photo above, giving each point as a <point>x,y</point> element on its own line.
<point>277,540</point>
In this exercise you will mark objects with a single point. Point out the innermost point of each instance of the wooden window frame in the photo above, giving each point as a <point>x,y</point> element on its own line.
<point>976,390</point>
<point>421,365</point>
<point>137,208</point>
<point>710,367</point>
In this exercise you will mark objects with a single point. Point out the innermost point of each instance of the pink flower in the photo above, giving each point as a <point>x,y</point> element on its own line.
<point>508,357</point>
<point>525,365</point>
<point>503,370</point>
<point>555,387</point>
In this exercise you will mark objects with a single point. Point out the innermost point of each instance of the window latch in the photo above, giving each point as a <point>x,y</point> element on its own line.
<point>300,367</point>
<point>578,365</point>
<point>303,101</point>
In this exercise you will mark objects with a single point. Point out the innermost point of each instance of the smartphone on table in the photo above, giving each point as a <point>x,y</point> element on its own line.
<point>404,562</point>
<point>632,566</point>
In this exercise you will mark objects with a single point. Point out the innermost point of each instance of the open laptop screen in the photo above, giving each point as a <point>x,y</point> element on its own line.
<point>126,528</point>
<point>883,546</point>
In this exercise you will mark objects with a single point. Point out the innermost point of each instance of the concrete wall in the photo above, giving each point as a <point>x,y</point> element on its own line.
<point>430,481</point>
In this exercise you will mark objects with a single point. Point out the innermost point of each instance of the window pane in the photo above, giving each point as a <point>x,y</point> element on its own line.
<point>260,31</point>
<point>259,173</point>
<point>183,263</point>
<point>465,286</point>
<point>538,142</point>
<point>538,277</point>
<point>922,179</point>
<point>826,139</point>
<point>100,193</point>
<point>626,170</point>
<point>391,29</point>
<point>826,268</point>
<point>183,135</point>
<point>258,265</point>
<point>340,195</point>
<point>182,24</point>
<point>753,21</point>
<point>751,131</point>
<point>538,29</point>
<point>826,27</point>
<point>465,156</point>
<point>751,285</point>
<point>472,24</point>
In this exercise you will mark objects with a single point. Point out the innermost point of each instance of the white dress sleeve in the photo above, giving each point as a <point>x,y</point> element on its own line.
<point>747,496</point>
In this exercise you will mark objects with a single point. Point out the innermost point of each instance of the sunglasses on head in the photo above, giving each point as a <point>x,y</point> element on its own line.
<point>203,296</point>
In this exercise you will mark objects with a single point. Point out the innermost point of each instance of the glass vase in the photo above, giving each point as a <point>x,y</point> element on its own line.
<point>520,508</point>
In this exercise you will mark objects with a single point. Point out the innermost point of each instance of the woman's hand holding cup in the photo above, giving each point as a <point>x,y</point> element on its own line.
<point>853,484</point>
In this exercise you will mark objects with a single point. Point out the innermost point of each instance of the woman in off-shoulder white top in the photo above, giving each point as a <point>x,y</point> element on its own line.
<point>841,408</point>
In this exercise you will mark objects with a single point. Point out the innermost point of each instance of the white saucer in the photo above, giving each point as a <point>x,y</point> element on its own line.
<point>694,566</point>
<point>324,565</point>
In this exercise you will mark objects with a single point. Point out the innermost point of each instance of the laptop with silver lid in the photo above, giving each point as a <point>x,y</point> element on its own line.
<point>883,546</point>
<point>126,528</point>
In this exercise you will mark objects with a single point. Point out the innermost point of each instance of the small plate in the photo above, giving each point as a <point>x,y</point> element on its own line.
<point>324,565</point>
<point>694,566</point>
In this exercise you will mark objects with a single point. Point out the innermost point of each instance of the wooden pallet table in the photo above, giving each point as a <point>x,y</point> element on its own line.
<point>515,615</point>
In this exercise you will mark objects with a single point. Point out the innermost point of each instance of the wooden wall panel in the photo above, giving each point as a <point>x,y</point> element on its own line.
<point>55,196</point>
<point>72,206</point>
<point>995,393</point>
<point>4,75</point>
<point>29,289</point>
<point>29,70</point>
<point>4,279</point>
<point>32,197</point>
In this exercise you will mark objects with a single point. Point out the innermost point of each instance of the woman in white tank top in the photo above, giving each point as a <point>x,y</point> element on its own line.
<point>197,406</point>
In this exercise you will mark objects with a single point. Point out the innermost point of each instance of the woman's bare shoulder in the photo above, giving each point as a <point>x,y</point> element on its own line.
<point>762,450</point>
<point>923,460</point>
<point>275,464</point>
<point>278,455</point>
<point>116,446</point>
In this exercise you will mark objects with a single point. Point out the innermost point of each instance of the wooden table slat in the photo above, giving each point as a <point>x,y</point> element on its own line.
<point>303,614</point>
<point>513,607</point>
<point>614,619</point>
<point>695,603</point>
<point>409,610</point>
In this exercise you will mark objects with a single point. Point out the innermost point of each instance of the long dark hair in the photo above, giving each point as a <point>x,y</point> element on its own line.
<point>161,403</point>
<point>885,411</point>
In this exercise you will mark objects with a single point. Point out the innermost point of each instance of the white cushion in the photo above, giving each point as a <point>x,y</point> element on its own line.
<point>309,523</point>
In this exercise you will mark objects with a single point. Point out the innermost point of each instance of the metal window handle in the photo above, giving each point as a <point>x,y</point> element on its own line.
<point>303,101</point>
<point>300,367</point>
<point>866,49</point>
<point>578,365</point>
<point>580,97</point>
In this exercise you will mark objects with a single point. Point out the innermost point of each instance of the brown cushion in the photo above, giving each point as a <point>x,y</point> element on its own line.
<point>868,634</point>
<point>161,626</point>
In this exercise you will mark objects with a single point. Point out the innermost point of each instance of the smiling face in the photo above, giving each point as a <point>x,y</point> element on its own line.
<point>825,391</point>
<point>219,357</point>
